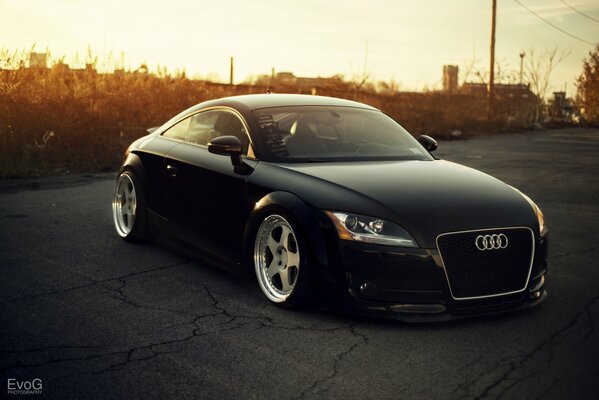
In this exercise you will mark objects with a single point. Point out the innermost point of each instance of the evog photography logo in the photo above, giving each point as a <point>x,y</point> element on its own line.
<point>16,387</point>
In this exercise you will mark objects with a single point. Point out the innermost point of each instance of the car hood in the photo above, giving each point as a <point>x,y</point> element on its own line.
<point>426,197</point>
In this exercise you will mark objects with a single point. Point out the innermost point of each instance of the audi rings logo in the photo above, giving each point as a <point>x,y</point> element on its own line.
<point>491,242</point>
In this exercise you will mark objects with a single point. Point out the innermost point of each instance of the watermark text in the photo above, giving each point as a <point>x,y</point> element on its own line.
<point>17,387</point>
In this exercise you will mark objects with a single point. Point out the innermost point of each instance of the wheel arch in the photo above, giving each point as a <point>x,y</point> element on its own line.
<point>139,230</point>
<point>304,216</point>
<point>134,164</point>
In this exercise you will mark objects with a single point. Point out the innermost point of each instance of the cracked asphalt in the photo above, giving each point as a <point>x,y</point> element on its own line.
<point>95,317</point>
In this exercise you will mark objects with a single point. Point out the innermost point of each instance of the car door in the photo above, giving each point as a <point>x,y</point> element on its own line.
<point>205,194</point>
<point>152,152</point>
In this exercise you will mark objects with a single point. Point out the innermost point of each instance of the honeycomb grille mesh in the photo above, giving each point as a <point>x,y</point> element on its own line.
<point>475,273</point>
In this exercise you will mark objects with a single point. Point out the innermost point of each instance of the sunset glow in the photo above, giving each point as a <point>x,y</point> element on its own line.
<point>407,41</point>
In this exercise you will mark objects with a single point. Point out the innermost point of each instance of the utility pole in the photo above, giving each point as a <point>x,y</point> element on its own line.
<point>522,67</point>
<point>365,57</point>
<point>491,99</point>
<point>231,73</point>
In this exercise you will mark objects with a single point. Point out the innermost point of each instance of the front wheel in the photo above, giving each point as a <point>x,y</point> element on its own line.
<point>281,263</point>
<point>129,208</point>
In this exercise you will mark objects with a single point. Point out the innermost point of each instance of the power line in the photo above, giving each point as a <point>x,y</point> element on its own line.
<point>553,25</point>
<point>580,12</point>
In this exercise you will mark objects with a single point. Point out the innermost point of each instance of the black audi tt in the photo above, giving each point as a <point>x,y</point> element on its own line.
<point>322,195</point>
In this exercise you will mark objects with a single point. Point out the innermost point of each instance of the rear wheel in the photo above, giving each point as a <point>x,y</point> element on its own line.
<point>281,263</point>
<point>129,208</point>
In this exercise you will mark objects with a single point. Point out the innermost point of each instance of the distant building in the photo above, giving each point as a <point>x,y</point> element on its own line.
<point>559,100</point>
<point>306,83</point>
<point>514,102</point>
<point>38,60</point>
<point>450,78</point>
<point>562,109</point>
<point>510,91</point>
<point>285,78</point>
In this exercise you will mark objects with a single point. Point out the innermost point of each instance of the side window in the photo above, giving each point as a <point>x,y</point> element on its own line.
<point>178,131</point>
<point>229,124</point>
<point>201,128</point>
<point>208,125</point>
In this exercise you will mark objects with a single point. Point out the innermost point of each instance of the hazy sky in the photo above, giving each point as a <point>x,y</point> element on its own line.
<point>408,40</point>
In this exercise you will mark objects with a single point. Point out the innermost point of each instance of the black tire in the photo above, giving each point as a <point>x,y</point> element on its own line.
<point>129,208</point>
<point>301,293</point>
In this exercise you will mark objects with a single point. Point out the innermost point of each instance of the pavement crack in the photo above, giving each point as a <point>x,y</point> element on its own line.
<point>146,351</point>
<point>94,282</point>
<point>57,360</point>
<point>154,348</point>
<point>265,322</point>
<point>129,275</point>
<point>48,348</point>
<point>582,320</point>
<point>363,339</point>
<point>215,303</point>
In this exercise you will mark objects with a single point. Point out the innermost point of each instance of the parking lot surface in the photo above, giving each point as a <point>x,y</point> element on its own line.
<point>94,317</point>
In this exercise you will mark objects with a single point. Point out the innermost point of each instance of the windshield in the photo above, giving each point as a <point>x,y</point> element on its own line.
<point>320,134</point>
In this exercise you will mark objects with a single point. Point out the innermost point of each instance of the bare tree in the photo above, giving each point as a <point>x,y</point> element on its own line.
<point>539,67</point>
<point>505,74</point>
<point>537,71</point>
<point>359,78</point>
<point>388,87</point>
<point>472,71</point>
<point>470,68</point>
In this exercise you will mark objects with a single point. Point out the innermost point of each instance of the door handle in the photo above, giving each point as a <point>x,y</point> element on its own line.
<point>172,170</point>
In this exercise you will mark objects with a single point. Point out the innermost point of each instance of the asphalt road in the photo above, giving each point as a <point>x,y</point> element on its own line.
<point>95,317</point>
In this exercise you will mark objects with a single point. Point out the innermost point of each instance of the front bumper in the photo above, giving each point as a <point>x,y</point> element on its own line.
<point>411,284</point>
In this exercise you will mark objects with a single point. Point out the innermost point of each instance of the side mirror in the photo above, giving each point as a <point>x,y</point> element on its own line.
<point>428,142</point>
<point>227,146</point>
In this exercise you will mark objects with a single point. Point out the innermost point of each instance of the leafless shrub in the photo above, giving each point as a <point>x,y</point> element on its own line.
<point>538,70</point>
<point>61,119</point>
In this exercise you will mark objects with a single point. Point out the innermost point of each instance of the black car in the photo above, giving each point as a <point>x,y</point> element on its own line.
<point>319,195</point>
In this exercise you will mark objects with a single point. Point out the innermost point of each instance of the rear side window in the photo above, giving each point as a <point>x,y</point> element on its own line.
<point>202,128</point>
<point>208,125</point>
<point>178,131</point>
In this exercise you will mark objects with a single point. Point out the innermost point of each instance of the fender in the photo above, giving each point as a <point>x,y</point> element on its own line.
<point>304,215</point>
<point>154,198</point>
<point>133,163</point>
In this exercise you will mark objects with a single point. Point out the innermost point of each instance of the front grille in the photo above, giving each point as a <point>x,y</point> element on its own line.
<point>475,273</point>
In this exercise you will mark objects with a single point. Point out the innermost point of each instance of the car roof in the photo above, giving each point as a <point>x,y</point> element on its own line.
<point>249,102</point>
<point>256,101</point>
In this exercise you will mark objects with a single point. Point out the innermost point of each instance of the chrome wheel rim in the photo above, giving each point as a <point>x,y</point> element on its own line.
<point>276,258</point>
<point>124,205</point>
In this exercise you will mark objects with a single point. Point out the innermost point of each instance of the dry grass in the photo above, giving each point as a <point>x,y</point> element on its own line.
<point>59,120</point>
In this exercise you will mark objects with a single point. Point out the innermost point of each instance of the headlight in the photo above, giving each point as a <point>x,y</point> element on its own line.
<point>537,210</point>
<point>361,228</point>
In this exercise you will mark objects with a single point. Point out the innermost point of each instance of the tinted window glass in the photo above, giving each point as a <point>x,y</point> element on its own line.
<point>310,133</point>
<point>178,131</point>
<point>201,128</point>
<point>228,124</point>
<point>208,125</point>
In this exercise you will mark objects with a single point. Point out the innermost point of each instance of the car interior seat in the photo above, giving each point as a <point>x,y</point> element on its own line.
<point>304,140</point>
<point>228,124</point>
